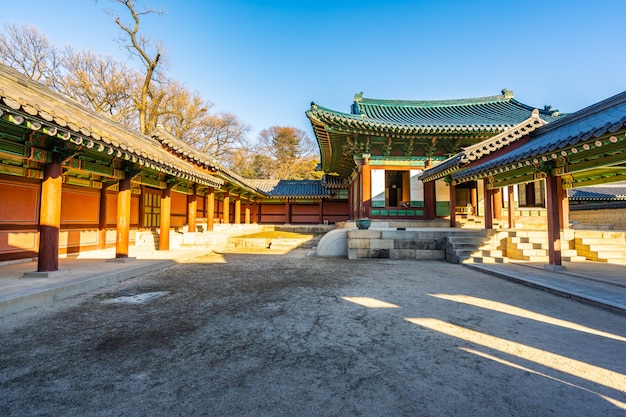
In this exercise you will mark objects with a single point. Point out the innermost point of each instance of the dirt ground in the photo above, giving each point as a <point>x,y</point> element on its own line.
<point>291,335</point>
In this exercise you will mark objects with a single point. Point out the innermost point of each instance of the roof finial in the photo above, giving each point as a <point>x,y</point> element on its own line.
<point>358,97</point>
<point>507,93</point>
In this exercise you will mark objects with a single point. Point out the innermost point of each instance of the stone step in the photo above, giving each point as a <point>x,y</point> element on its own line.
<point>489,259</point>
<point>488,253</point>
<point>599,241</point>
<point>575,258</point>
<point>602,247</point>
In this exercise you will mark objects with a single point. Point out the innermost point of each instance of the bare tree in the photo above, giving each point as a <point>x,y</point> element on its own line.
<point>290,151</point>
<point>101,83</point>
<point>29,51</point>
<point>140,46</point>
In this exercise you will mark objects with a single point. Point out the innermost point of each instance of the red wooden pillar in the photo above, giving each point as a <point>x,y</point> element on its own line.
<point>123,218</point>
<point>367,186</point>
<point>50,217</point>
<point>564,206</point>
<point>429,200</point>
<point>247,212</point>
<point>102,219</point>
<point>321,218</point>
<point>511,192</point>
<point>192,211</point>
<point>210,209</point>
<point>226,209</point>
<point>452,204</point>
<point>497,203</point>
<point>238,209</point>
<point>165,221</point>
<point>553,202</point>
<point>288,212</point>
<point>488,194</point>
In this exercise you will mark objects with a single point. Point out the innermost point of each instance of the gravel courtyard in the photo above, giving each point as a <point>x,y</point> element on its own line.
<point>291,335</point>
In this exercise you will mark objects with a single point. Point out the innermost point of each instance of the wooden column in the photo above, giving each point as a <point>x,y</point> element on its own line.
<point>238,210</point>
<point>288,212</point>
<point>474,200</point>
<point>511,191</point>
<point>430,210</point>
<point>497,203</point>
<point>102,218</point>
<point>367,185</point>
<point>50,216</point>
<point>210,209</point>
<point>452,204</point>
<point>226,209</point>
<point>321,218</point>
<point>488,194</point>
<point>553,203</point>
<point>564,206</point>
<point>192,210</point>
<point>247,212</point>
<point>123,218</point>
<point>165,220</point>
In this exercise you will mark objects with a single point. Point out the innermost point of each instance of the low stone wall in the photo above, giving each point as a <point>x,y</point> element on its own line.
<point>612,219</point>
<point>396,244</point>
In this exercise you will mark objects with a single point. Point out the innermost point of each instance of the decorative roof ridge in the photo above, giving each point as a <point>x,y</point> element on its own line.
<point>506,95</point>
<point>585,112</point>
<point>166,138</point>
<point>516,132</point>
<point>478,150</point>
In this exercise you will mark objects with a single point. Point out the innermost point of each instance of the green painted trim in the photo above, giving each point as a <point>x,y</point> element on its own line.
<point>416,203</point>
<point>376,203</point>
<point>442,208</point>
<point>375,212</point>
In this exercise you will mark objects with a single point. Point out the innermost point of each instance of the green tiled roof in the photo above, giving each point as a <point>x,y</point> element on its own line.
<point>411,126</point>
<point>292,188</point>
<point>414,116</point>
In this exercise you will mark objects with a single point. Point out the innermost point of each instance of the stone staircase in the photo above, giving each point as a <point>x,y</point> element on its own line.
<point>504,245</point>
<point>601,246</point>
<point>473,247</point>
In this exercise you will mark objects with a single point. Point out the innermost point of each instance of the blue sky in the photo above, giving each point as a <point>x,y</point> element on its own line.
<point>266,61</point>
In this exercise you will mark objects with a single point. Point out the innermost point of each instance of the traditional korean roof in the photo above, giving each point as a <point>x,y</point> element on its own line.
<point>589,144</point>
<point>292,188</point>
<point>603,193</point>
<point>501,111</point>
<point>185,151</point>
<point>413,127</point>
<point>329,181</point>
<point>27,103</point>
<point>475,152</point>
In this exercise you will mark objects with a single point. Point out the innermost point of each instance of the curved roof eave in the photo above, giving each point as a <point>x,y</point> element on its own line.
<point>600,119</point>
<point>484,148</point>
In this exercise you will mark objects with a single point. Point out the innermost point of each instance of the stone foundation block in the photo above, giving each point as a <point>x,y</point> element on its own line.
<point>364,234</point>
<point>402,254</point>
<point>359,243</point>
<point>421,244</point>
<point>381,244</point>
<point>435,255</point>
<point>378,253</point>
